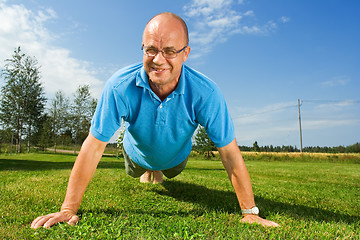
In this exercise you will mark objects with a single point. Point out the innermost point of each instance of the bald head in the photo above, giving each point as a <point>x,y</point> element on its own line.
<point>168,18</point>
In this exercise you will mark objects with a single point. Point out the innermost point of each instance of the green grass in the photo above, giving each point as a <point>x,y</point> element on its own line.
<point>310,200</point>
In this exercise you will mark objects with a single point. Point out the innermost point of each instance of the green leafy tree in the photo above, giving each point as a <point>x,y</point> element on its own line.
<point>59,115</point>
<point>5,139</point>
<point>203,144</point>
<point>82,111</point>
<point>120,139</point>
<point>22,97</point>
<point>45,133</point>
<point>355,148</point>
<point>256,147</point>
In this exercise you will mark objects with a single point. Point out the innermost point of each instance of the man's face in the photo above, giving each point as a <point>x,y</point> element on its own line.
<point>162,33</point>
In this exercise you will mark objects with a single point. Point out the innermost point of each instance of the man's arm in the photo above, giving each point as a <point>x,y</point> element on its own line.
<point>81,174</point>
<point>240,179</point>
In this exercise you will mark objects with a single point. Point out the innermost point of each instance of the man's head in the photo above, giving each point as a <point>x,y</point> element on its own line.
<point>165,32</point>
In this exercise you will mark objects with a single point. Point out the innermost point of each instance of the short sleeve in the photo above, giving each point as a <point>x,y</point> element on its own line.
<point>215,118</point>
<point>107,117</point>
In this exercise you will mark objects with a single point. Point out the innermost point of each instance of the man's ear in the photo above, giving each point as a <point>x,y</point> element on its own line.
<point>186,53</point>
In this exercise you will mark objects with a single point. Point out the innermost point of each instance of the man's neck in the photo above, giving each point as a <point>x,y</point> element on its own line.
<point>162,91</point>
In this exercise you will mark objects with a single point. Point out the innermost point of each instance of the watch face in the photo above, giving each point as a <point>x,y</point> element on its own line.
<point>255,210</point>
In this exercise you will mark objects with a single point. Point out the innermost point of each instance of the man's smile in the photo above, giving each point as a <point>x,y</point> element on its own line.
<point>158,70</point>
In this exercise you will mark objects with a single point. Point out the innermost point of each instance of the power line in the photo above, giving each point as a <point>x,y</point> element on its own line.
<point>296,105</point>
<point>267,111</point>
<point>331,101</point>
<point>340,103</point>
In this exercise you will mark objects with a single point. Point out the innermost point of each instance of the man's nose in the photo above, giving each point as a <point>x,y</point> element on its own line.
<point>159,58</point>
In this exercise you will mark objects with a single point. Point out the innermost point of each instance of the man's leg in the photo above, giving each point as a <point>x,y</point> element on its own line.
<point>136,171</point>
<point>132,168</point>
<point>146,177</point>
<point>169,173</point>
<point>173,172</point>
<point>158,177</point>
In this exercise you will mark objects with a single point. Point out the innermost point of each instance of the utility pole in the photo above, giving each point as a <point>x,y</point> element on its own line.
<point>300,125</point>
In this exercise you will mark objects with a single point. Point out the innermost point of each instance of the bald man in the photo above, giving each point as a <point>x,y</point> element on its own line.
<point>162,102</point>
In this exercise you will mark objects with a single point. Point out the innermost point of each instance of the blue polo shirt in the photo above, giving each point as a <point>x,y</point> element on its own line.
<point>158,133</point>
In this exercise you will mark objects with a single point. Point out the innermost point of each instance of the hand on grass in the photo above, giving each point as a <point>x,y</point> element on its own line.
<point>48,220</point>
<point>256,219</point>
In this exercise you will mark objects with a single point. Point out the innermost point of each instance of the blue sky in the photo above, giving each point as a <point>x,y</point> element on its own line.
<point>264,55</point>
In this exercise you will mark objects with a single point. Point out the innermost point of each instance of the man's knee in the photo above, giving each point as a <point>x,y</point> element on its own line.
<point>134,174</point>
<point>173,172</point>
<point>131,168</point>
<point>170,174</point>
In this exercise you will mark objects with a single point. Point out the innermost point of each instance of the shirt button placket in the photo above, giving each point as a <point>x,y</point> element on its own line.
<point>160,115</point>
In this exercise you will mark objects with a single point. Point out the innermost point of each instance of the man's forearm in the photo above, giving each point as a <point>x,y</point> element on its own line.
<point>238,174</point>
<point>82,173</point>
<point>240,180</point>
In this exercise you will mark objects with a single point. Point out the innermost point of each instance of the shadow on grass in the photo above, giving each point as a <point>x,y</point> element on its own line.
<point>31,165</point>
<point>205,169</point>
<point>212,199</point>
<point>115,211</point>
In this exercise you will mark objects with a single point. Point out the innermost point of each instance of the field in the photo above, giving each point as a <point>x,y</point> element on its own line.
<point>318,198</point>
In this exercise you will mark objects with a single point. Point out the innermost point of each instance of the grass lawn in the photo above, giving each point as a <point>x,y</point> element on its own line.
<point>310,200</point>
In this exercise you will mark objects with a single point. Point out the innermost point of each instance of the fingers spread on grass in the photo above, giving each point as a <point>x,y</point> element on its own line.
<point>40,221</point>
<point>53,220</point>
<point>48,220</point>
<point>36,223</point>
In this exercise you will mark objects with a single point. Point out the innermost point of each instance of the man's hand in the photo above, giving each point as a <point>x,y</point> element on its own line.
<point>81,174</point>
<point>48,220</point>
<point>256,219</point>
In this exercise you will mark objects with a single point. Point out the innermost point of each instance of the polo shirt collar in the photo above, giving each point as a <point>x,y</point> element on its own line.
<point>143,81</point>
<point>180,89</point>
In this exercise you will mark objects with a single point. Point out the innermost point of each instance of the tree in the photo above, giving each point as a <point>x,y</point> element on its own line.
<point>82,111</point>
<point>355,148</point>
<point>120,139</point>
<point>22,102</point>
<point>204,143</point>
<point>5,137</point>
<point>59,115</point>
<point>256,147</point>
<point>45,133</point>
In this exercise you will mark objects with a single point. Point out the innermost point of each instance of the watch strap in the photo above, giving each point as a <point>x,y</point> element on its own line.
<point>253,210</point>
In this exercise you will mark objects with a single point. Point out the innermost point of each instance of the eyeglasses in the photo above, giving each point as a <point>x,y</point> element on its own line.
<point>167,53</point>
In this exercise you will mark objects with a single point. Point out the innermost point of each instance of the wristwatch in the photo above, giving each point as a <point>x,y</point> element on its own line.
<point>253,210</point>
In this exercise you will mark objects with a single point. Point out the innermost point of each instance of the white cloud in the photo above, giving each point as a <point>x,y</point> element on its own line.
<point>206,7</point>
<point>337,81</point>
<point>256,115</point>
<point>278,123</point>
<point>249,13</point>
<point>215,21</point>
<point>249,30</point>
<point>284,19</point>
<point>271,124</point>
<point>326,114</point>
<point>332,106</point>
<point>20,26</point>
<point>328,123</point>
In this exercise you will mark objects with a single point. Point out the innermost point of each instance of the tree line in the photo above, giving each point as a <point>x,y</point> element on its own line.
<point>204,146</point>
<point>28,118</point>
<point>354,148</point>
